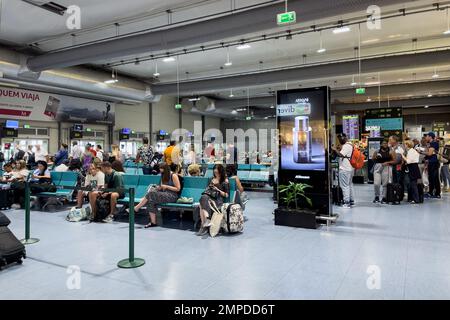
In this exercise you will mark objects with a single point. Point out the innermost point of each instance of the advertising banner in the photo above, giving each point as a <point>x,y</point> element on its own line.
<point>302,130</point>
<point>40,106</point>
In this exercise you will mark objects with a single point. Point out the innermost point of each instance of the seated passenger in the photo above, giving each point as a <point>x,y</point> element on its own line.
<point>20,175</point>
<point>118,166</point>
<point>7,173</point>
<point>95,180</point>
<point>194,170</point>
<point>63,167</point>
<point>166,192</point>
<point>41,181</point>
<point>113,181</point>
<point>217,191</point>
<point>241,197</point>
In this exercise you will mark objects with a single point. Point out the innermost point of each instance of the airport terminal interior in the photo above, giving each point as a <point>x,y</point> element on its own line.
<point>224,149</point>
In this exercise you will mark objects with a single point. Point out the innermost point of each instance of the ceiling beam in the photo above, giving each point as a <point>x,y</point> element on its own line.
<point>405,103</point>
<point>304,73</point>
<point>181,36</point>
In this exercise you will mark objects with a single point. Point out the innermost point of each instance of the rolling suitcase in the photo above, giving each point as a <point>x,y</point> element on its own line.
<point>11,249</point>
<point>395,193</point>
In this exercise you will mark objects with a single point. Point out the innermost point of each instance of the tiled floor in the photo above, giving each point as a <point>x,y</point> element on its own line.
<point>407,246</point>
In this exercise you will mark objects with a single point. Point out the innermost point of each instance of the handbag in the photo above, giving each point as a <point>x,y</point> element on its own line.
<point>212,193</point>
<point>216,219</point>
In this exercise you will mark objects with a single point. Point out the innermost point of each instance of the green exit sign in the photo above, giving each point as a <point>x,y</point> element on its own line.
<point>88,129</point>
<point>361,91</point>
<point>286,18</point>
<point>178,106</point>
<point>248,118</point>
<point>26,126</point>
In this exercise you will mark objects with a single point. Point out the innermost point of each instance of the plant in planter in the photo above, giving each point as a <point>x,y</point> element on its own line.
<point>294,192</point>
<point>292,213</point>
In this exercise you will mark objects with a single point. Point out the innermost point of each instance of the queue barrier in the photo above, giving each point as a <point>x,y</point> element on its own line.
<point>128,263</point>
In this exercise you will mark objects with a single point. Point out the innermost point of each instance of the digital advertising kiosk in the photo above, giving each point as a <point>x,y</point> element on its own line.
<point>303,117</point>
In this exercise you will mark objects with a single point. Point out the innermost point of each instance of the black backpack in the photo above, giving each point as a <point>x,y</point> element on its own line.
<point>103,209</point>
<point>31,158</point>
<point>20,154</point>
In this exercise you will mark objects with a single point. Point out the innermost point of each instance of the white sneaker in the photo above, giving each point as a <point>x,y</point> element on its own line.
<point>346,206</point>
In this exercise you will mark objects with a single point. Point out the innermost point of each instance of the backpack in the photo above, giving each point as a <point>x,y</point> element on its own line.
<point>233,221</point>
<point>2,157</point>
<point>20,154</point>
<point>103,209</point>
<point>357,158</point>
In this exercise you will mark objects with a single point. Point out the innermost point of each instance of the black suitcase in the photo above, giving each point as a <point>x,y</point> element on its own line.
<point>6,199</point>
<point>395,193</point>
<point>11,249</point>
<point>337,195</point>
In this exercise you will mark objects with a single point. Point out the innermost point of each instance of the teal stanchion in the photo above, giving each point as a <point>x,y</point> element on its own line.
<point>131,262</point>
<point>28,239</point>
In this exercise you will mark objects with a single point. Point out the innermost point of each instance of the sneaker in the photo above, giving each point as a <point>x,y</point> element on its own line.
<point>346,206</point>
<point>436,197</point>
<point>427,195</point>
<point>376,200</point>
<point>383,201</point>
<point>108,219</point>
<point>207,223</point>
<point>352,202</point>
<point>203,231</point>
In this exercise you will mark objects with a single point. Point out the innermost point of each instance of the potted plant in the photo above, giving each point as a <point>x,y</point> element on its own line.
<point>293,210</point>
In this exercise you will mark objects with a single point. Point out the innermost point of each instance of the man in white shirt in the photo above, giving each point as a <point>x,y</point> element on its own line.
<point>346,170</point>
<point>39,154</point>
<point>76,151</point>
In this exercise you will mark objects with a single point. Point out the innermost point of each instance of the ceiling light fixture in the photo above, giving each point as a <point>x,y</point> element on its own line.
<point>426,107</point>
<point>234,112</point>
<point>113,78</point>
<point>353,81</point>
<point>447,32</point>
<point>341,28</point>
<point>156,74</point>
<point>321,49</point>
<point>374,83</point>
<point>231,93</point>
<point>272,107</point>
<point>229,63</point>
<point>369,99</point>
<point>435,75</point>
<point>169,59</point>
<point>370,41</point>
<point>243,46</point>
<point>194,99</point>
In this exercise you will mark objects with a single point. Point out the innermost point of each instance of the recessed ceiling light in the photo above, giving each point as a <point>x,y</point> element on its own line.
<point>370,41</point>
<point>228,64</point>
<point>426,107</point>
<point>272,107</point>
<point>234,112</point>
<point>156,74</point>
<point>194,99</point>
<point>341,30</point>
<point>110,81</point>
<point>435,76</point>
<point>429,95</point>
<point>353,84</point>
<point>374,83</point>
<point>243,46</point>
<point>321,50</point>
<point>169,59</point>
<point>369,99</point>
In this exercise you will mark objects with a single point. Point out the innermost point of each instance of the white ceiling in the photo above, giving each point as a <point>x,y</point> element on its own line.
<point>23,24</point>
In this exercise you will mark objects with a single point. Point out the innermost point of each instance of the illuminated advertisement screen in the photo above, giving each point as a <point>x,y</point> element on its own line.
<point>386,124</point>
<point>350,126</point>
<point>301,124</point>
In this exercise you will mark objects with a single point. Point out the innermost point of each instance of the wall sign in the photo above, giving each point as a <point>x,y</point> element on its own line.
<point>39,106</point>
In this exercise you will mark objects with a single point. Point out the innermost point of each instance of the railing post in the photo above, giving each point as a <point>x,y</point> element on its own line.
<point>131,262</point>
<point>27,239</point>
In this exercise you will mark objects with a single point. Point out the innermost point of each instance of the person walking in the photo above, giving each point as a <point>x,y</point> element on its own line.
<point>76,151</point>
<point>346,170</point>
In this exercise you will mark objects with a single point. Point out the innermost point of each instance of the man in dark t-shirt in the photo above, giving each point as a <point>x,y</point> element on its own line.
<point>433,165</point>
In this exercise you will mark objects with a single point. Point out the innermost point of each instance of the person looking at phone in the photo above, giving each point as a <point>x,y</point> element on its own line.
<point>166,192</point>
<point>217,191</point>
<point>95,180</point>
